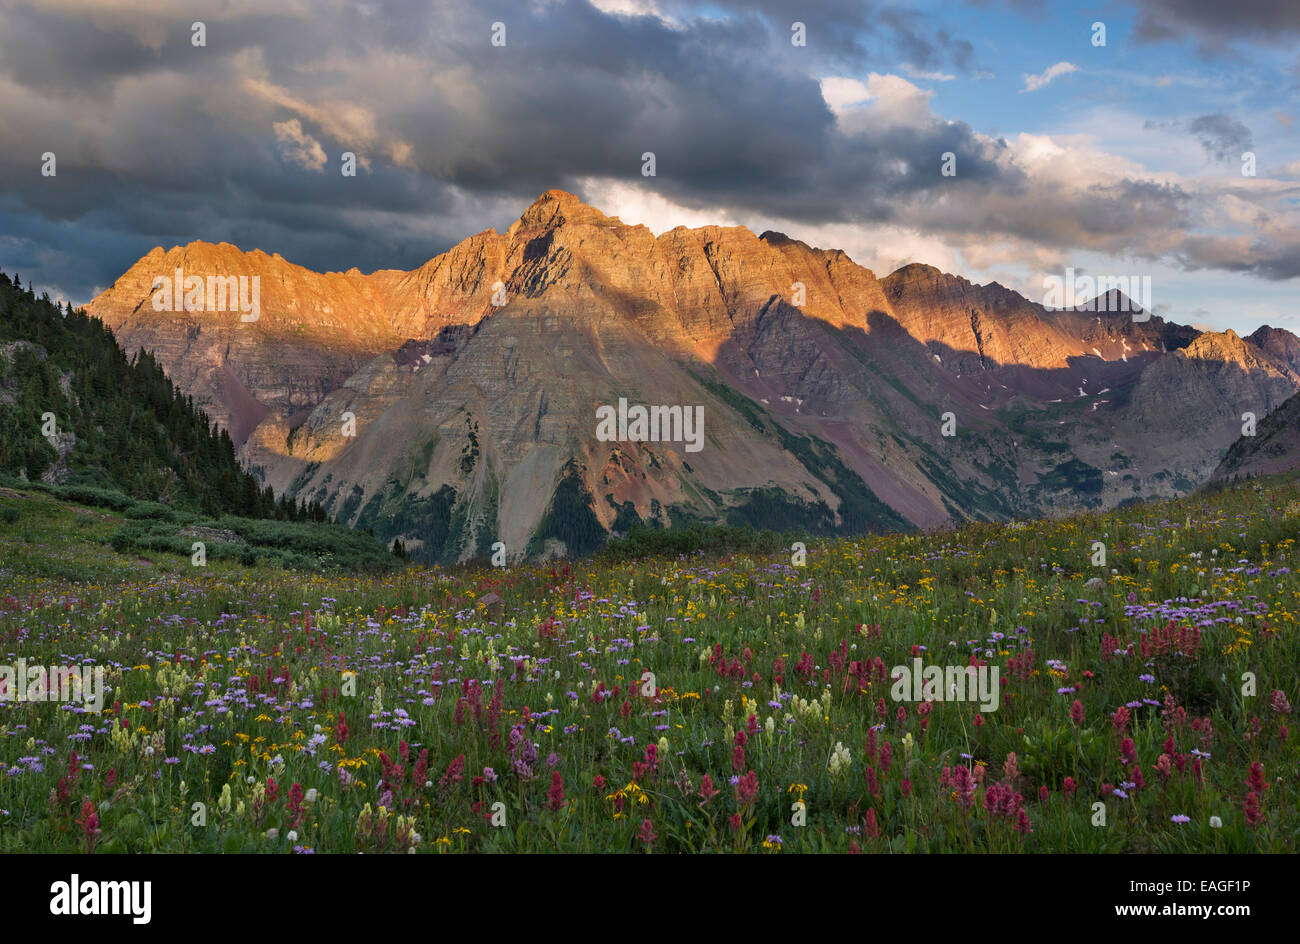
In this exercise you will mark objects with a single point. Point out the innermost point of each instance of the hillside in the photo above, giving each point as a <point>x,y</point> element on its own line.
<point>113,423</point>
<point>1274,448</point>
<point>88,536</point>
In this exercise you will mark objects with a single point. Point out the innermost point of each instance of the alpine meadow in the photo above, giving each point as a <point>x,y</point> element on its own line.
<point>643,427</point>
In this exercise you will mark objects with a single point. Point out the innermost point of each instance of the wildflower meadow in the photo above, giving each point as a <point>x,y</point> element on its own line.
<point>1145,665</point>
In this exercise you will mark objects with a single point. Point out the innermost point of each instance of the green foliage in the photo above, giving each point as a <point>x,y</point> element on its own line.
<point>570,518</point>
<point>860,511</point>
<point>98,497</point>
<point>717,539</point>
<point>737,401</point>
<point>1073,476</point>
<point>392,512</point>
<point>293,545</point>
<point>626,519</point>
<point>469,454</point>
<point>772,508</point>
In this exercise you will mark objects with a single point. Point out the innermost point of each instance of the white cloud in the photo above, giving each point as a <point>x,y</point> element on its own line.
<point>635,205</point>
<point>913,73</point>
<point>882,249</point>
<point>627,7</point>
<point>299,147</point>
<point>351,126</point>
<point>883,100</point>
<point>840,93</point>
<point>635,8</point>
<point>1034,82</point>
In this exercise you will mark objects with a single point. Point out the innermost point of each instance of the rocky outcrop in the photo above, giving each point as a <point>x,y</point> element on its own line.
<point>1280,343</point>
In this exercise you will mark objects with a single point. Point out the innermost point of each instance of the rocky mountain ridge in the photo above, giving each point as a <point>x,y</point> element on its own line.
<point>451,404</point>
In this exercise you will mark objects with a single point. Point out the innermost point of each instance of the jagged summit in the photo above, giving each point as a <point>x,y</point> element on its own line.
<point>556,207</point>
<point>914,271</point>
<point>561,198</point>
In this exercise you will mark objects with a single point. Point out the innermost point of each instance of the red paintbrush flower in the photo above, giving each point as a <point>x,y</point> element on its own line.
<point>1076,712</point>
<point>1127,752</point>
<point>707,792</point>
<point>1023,825</point>
<point>89,823</point>
<point>295,805</point>
<point>555,797</point>
<point>747,788</point>
<point>647,834</point>
<point>1254,815</point>
<point>1256,780</point>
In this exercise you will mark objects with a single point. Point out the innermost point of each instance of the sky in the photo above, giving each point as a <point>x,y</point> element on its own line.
<point>1124,157</point>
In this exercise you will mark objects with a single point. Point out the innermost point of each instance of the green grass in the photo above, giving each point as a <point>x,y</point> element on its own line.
<point>239,674</point>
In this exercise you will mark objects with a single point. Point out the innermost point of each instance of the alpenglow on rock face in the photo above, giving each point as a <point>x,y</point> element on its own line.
<point>455,405</point>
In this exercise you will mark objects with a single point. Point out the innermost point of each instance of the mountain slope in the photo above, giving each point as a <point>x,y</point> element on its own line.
<point>446,405</point>
<point>1274,447</point>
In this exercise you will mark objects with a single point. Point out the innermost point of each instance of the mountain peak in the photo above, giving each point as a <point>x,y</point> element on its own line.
<point>555,207</point>
<point>561,197</point>
<point>916,270</point>
<point>1225,346</point>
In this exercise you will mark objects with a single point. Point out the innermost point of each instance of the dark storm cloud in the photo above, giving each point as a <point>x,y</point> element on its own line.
<point>1224,138</point>
<point>1214,23</point>
<point>923,49</point>
<point>1274,261</point>
<point>162,142</point>
<point>159,142</point>
<point>72,55</point>
<point>847,28</point>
